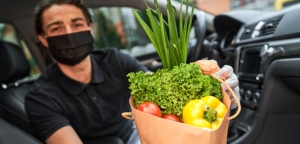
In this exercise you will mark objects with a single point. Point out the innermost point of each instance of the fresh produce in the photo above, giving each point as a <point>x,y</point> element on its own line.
<point>150,108</point>
<point>208,66</point>
<point>171,117</point>
<point>207,112</point>
<point>170,39</point>
<point>172,89</point>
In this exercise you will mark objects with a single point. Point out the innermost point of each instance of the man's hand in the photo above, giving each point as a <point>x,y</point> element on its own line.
<point>226,72</point>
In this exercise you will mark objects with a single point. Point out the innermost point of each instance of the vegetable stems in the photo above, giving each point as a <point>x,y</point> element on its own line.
<point>170,44</point>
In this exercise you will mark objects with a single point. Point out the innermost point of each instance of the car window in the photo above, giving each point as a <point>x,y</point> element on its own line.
<point>117,27</point>
<point>9,34</point>
<point>220,6</point>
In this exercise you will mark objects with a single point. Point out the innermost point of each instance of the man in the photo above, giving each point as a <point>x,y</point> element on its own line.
<point>80,98</point>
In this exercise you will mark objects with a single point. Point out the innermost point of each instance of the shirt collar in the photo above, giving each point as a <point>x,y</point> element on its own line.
<point>97,74</point>
<point>74,87</point>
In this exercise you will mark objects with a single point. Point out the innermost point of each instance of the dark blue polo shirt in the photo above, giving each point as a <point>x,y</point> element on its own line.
<point>94,109</point>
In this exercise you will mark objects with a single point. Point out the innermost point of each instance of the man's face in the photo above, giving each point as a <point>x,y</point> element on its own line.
<point>62,19</point>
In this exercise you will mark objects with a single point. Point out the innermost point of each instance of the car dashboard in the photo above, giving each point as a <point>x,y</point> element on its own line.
<point>266,49</point>
<point>260,42</point>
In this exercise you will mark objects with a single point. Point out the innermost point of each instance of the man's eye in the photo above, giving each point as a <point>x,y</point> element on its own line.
<point>55,29</point>
<point>78,25</point>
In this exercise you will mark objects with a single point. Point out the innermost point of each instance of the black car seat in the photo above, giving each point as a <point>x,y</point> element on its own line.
<point>14,68</point>
<point>9,134</point>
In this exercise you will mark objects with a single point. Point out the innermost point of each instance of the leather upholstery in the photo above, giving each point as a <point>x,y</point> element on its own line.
<point>13,63</point>
<point>12,105</point>
<point>10,134</point>
<point>13,67</point>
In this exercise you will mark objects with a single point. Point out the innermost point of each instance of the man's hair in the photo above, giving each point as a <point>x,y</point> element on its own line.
<point>44,4</point>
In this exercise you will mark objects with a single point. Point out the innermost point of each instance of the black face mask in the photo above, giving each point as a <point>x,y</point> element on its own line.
<point>70,49</point>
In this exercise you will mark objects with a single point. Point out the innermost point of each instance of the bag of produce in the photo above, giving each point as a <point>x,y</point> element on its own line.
<point>180,103</point>
<point>198,106</point>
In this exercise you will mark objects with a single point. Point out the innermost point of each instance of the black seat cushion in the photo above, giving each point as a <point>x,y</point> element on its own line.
<point>12,105</point>
<point>10,134</point>
<point>14,68</point>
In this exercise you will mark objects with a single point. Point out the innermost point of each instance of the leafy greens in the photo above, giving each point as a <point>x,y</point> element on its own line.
<point>171,89</point>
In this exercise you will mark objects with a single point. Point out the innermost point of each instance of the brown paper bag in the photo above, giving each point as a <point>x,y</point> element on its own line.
<point>155,130</point>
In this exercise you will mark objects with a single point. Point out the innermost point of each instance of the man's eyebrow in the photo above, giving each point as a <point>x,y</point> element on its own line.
<point>54,23</point>
<point>60,22</point>
<point>77,19</point>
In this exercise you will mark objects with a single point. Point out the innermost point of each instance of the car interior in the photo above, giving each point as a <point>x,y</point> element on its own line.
<point>262,47</point>
<point>13,120</point>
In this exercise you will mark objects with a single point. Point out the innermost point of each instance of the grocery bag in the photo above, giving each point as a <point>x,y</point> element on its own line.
<point>155,130</point>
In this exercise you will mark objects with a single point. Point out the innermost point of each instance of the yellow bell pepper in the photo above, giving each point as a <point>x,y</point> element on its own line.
<point>207,112</point>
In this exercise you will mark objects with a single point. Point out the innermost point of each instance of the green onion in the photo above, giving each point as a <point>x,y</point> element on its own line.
<point>170,44</point>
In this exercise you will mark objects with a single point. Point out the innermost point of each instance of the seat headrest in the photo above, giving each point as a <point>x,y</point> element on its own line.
<point>13,63</point>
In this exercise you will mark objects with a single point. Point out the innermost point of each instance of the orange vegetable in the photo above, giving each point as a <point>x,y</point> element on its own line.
<point>208,66</point>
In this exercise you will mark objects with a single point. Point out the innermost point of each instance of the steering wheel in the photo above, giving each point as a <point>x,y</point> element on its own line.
<point>200,30</point>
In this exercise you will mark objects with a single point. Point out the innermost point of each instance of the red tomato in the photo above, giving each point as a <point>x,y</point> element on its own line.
<point>171,117</point>
<point>151,108</point>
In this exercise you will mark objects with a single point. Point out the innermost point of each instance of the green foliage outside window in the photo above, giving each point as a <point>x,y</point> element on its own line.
<point>105,35</point>
<point>114,28</point>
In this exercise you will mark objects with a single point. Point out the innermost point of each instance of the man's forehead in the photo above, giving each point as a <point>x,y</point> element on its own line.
<point>62,12</point>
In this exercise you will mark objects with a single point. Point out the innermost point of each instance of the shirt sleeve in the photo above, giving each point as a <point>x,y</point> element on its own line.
<point>43,115</point>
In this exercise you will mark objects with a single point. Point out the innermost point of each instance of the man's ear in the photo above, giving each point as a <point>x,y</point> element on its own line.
<point>43,40</point>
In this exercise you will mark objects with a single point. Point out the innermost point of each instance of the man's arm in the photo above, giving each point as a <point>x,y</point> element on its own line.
<point>64,135</point>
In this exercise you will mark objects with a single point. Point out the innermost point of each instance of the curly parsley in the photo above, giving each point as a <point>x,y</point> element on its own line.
<point>172,89</point>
